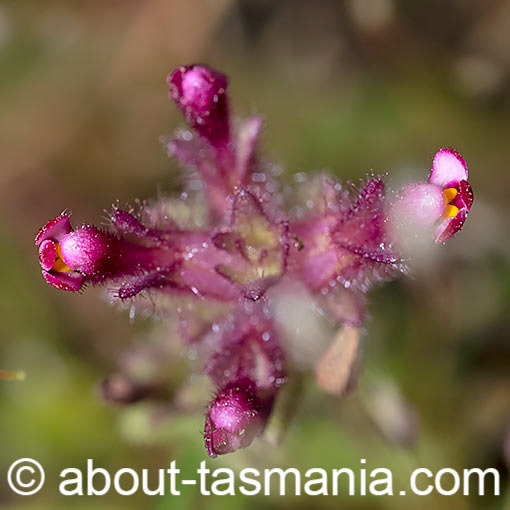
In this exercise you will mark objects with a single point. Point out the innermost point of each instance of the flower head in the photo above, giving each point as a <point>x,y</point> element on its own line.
<point>219,254</point>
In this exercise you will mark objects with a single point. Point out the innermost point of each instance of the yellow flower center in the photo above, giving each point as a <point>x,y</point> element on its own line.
<point>59,264</point>
<point>450,211</point>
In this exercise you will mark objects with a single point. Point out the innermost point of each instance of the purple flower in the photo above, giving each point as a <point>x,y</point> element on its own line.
<point>219,256</point>
<point>55,271</point>
<point>72,258</point>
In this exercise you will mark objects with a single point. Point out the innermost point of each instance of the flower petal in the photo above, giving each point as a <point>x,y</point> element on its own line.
<point>336,369</point>
<point>47,254</point>
<point>448,169</point>
<point>68,280</point>
<point>465,197</point>
<point>345,305</point>
<point>54,229</point>
<point>420,202</point>
<point>449,227</point>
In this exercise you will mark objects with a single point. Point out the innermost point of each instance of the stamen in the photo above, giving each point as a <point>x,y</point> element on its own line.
<point>59,264</point>
<point>449,194</point>
<point>450,211</point>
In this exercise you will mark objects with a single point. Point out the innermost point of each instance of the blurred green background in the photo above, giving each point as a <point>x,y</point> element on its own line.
<point>346,86</point>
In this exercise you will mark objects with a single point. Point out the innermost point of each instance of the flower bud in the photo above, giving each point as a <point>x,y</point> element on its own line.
<point>200,93</point>
<point>91,251</point>
<point>235,417</point>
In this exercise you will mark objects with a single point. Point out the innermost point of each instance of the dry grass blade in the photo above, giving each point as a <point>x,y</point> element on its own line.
<point>334,370</point>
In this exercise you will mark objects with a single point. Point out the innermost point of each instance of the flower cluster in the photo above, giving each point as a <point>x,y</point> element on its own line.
<point>233,239</point>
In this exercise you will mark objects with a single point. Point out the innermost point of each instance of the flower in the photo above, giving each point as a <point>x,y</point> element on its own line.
<point>217,258</point>
<point>55,271</point>
<point>443,201</point>
<point>450,173</point>
<point>71,258</point>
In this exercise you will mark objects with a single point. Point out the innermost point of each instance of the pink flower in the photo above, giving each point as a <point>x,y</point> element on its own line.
<point>443,201</point>
<point>450,173</point>
<point>55,271</point>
